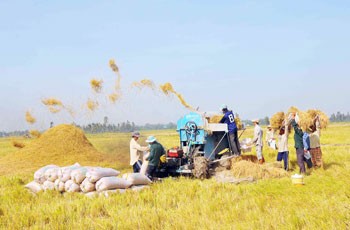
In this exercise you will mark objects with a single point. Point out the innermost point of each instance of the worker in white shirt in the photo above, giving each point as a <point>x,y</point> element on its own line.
<point>135,152</point>
<point>283,153</point>
<point>258,141</point>
<point>270,139</point>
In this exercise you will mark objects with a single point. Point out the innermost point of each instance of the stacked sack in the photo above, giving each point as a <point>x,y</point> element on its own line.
<point>85,179</point>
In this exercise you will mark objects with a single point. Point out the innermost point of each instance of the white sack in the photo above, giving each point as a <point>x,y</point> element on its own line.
<point>59,185</point>
<point>97,173</point>
<point>51,174</point>
<point>70,186</point>
<point>34,186</point>
<point>108,183</point>
<point>144,164</point>
<point>48,185</point>
<point>64,173</point>
<point>137,179</point>
<point>86,186</point>
<point>39,175</point>
<point>79,174</point>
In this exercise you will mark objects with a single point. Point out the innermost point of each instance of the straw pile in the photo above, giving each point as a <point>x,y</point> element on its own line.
<point>250,158</point>
<point>167,89</point>
<point>96,85</point>
<point>242,169</point>
<point>92,105</point>
<point>29,118</point>
<point>62,144</point>
<point>34,133</point>
<point>144,83</point>
<point>276,120</point>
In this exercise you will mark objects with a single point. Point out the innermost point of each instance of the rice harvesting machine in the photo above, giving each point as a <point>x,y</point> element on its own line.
<point>201,145</point>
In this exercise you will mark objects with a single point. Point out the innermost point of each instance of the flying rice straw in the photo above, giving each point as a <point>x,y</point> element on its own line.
<point>96,85</point>
<point>115,69</point>
<point>113,97</point>
<point>53,104</point>
<point>29,118</point>
<point>92,105</point>
<point>144,83</point>
<point>167,89</point>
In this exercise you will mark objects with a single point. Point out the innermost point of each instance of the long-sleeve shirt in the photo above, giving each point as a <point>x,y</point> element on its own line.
<point>298,136</point>
<point>156,151</point>
<point>258,136</point>
<point>315,137</point>
<point>283,140</point>
<point>135,151</point>
<point>229,119</point>
<point>269,135</point>
<point>306,141</point>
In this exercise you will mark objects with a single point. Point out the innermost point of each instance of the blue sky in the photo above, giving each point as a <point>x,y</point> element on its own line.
<point>258,57</point>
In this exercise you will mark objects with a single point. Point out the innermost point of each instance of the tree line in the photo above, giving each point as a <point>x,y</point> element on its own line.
<point>339,117</point>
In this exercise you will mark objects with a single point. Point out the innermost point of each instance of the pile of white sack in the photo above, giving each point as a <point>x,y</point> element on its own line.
<point>86,179</point>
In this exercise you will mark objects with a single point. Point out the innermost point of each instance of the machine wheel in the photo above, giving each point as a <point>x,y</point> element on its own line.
<point>201,169</point>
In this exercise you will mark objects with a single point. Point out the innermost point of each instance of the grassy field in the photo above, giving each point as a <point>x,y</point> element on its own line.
<point>182,203</point>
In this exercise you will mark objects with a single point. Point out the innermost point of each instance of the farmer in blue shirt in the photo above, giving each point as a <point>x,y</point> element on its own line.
<point>229,119</point>
<point>307,155</point>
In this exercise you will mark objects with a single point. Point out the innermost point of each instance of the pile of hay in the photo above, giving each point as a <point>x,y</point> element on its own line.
<point>96,85</point>
<point>29,118</point>
<point>276,120</point>
<point>250,158</point>
<point>60,145</point>
<point>242,169</point>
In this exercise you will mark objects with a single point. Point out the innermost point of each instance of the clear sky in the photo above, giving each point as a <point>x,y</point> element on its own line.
<point>258,57</point>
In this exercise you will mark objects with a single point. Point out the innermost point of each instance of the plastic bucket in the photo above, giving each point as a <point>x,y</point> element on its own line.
<point>297,179</point>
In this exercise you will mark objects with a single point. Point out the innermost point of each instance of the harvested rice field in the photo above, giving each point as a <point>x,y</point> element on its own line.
<point>270,202</point>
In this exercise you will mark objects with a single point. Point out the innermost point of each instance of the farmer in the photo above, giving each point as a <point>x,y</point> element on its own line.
<point>270,139</point>
<point>315,146</point>
<point>283,152</point>
<point>298,143</point>
<point>156,151</point>
<point>135,152</point>
<point>307,155</point>
<point>258,141</point>
<point>229,119</point>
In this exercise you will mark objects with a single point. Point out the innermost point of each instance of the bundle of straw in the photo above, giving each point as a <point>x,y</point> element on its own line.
<point>324,120</point>
<point>96,85</point>
<point>29,118</point>
<point>276,121</point>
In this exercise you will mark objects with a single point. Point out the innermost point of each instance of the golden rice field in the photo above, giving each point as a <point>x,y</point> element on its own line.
<point>183,203</point>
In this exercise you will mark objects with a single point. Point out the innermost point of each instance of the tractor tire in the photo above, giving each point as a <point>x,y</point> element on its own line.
<point>201,169</point>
